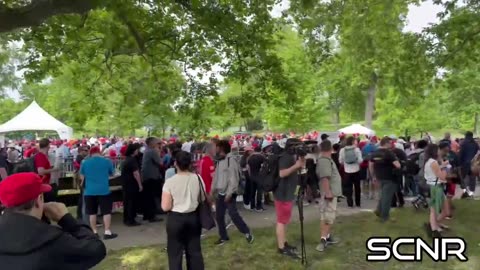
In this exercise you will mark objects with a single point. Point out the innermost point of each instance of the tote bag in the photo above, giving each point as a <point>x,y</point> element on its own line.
<point>204,210</point>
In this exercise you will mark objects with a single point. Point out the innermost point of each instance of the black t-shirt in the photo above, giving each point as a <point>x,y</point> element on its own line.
<point>255,163</point>
<point>383,164</point>
<point>285,191</point>
<point>130,165</point>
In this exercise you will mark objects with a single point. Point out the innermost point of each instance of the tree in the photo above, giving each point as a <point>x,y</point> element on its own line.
<point>364,36</point>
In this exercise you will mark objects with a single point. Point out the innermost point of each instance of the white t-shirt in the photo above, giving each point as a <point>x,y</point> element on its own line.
<point>185,191</point>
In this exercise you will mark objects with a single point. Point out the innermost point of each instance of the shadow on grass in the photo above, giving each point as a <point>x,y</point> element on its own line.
<point>349,254</point>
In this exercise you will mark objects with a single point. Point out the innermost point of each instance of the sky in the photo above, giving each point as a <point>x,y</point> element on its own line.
<point>418,18</point>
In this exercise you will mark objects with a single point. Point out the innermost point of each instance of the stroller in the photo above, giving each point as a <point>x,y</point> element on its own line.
<point>423,195</point>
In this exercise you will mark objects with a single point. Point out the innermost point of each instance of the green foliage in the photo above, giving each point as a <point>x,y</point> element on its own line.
<point>113,67</point>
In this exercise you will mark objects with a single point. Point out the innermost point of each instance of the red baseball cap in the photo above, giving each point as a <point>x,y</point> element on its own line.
<point>95,150</point>
<point>20,188</point>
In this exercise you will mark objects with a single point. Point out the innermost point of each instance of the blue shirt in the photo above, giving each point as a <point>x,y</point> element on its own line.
<point>169,173</point>
<point>368,150</point>
<point>97,171</point>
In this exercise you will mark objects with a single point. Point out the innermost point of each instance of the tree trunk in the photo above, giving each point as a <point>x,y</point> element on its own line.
<point>476,123</point>
<point>370,101</point>
<point>336,119</point>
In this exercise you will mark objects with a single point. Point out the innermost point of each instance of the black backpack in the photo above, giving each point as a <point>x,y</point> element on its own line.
<point>411,165</point>
<point>269,177</point>
<point>25,165</point>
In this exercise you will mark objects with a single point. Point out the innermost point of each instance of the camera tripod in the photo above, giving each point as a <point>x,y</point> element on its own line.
<point>300,198</point>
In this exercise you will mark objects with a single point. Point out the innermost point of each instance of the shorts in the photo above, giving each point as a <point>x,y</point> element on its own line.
<point>283,210</point>
<point>450,189</point>
<point>328,210</point>
<point>437,197</point>
<point>92,203</point>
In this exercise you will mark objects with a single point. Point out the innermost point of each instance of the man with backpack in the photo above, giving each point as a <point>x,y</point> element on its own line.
<point>284,194</point>
<point>225,186</point>
<point>351,157</point>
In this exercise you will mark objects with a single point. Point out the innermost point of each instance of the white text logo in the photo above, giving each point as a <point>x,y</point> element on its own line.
<point>384,248</point>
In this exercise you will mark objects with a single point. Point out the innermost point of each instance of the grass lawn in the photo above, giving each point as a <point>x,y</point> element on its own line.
<point>349,254</point>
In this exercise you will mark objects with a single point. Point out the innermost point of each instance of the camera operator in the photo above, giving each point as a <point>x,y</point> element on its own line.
<point>330,190</point>
<point>29,243</point>
<point>284,195</point>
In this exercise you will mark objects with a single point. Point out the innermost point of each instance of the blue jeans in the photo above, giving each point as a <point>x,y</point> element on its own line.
<point>221,208</point>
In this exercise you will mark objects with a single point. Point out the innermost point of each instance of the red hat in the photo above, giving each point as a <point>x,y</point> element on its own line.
<point>20,188</point>
<point>95,150</point>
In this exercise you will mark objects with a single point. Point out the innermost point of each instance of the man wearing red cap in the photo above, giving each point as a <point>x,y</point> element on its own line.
<point>29,243</point>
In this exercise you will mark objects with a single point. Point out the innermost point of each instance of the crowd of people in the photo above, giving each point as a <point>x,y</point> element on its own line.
<point>168,177</point>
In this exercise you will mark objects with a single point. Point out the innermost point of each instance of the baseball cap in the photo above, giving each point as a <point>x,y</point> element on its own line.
<point>324,136</point>
<point>94,150</point>
<point>248,148</point>
<point>20,188</point>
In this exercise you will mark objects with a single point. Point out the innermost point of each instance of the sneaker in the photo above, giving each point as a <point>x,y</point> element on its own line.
<point>249,238</point>
<point>332,240</point>
<point>288,252</point>
<point>294,249</point>
<point>220,242</point>
<point>323,244</point>
<point>261,210</point>
<point>247,207</point>
<point>465,195</point>
<point>110,236</point>
<point>436,234</point>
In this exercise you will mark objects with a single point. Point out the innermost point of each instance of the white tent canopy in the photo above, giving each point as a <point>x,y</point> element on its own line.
<point>357,129</point>
<point>34,118</point>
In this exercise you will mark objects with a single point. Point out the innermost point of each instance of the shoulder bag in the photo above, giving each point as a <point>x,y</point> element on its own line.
<point>204,210</point>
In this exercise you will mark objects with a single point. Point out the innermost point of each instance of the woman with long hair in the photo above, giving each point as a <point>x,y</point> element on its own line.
<point>180,198</point>
<point>436,178</point>
<point>132,185</point>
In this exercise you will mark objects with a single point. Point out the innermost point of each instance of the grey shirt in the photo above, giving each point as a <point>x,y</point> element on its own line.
<point>151,164</point>
<point>326,168</point>
<point>287,186</point>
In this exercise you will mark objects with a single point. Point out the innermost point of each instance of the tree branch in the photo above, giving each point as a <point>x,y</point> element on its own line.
<point>38,11</point>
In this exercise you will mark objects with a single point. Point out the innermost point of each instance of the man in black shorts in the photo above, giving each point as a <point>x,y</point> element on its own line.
<point>95,173</point>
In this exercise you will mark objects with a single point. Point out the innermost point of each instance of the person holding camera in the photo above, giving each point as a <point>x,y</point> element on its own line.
<point>330,190</point>
<point>30,243</point>
<point>284,195</point>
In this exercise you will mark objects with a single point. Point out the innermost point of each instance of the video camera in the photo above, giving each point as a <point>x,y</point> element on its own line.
<point>301,149</point>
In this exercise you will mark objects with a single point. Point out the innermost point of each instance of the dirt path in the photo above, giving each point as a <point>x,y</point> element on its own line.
<point>151,234</point>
